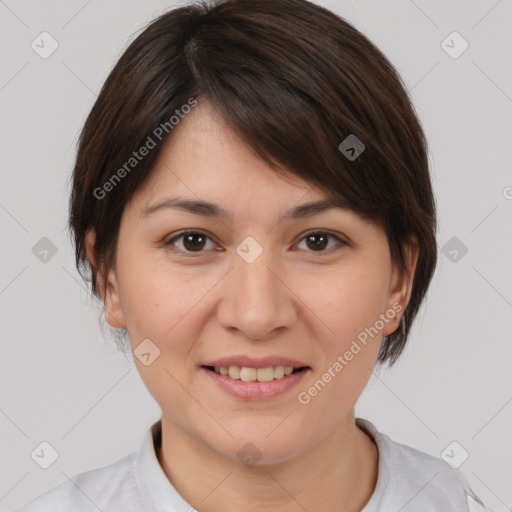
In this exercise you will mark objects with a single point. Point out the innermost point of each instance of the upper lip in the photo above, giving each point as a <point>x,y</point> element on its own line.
<point>255,362</point>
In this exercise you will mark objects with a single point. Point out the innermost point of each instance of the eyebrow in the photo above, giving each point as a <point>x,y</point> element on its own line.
<point>207,209</point>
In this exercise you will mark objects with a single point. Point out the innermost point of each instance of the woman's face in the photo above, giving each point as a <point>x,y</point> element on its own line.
<point>275,289</point>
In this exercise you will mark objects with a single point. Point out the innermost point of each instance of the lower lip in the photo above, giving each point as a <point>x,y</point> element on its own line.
<point>256,390</point>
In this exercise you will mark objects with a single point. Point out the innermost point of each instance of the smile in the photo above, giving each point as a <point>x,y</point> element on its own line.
<point>248,374</point>
<point>250,383</point>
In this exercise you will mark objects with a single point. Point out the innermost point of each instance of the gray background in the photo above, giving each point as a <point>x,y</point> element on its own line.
<point>64,383</point>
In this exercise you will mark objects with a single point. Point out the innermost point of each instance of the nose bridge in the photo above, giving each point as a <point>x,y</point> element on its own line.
<point>258,302</point>
<point>256,282</point>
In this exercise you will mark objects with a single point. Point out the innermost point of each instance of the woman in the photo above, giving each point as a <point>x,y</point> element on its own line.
<point>252,199</point>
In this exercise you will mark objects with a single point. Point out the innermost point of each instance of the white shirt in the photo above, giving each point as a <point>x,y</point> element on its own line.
<point>408,480</point>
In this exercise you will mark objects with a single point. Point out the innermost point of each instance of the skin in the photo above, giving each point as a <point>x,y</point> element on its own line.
<point>294,301</point>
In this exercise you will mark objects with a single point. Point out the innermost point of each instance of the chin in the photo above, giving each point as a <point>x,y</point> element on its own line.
<point>255,447</point>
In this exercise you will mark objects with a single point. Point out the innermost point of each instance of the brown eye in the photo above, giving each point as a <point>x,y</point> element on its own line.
<point>192,241</point>
<point>319,240</point>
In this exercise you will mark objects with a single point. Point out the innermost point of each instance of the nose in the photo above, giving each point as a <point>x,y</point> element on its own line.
<point>257,301</point>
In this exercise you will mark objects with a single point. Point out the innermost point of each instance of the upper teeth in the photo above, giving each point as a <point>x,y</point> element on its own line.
<point>251,374</point>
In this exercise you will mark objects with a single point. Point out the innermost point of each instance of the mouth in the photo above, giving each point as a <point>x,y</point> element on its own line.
<point>250,374</point>
<point>250,383</point>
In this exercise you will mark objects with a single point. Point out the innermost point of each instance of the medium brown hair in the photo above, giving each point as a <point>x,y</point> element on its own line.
<point>292,80</point>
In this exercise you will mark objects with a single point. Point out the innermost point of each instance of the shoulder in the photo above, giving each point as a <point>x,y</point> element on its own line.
<point>411,480</point>
<point>90,490</point>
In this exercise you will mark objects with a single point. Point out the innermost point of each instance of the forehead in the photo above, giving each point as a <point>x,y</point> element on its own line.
<point>205,158</point>
<point>205,169</point>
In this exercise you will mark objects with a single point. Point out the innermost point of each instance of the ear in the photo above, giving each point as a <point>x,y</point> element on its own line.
<point>109,290</point>
<point>401,285</point>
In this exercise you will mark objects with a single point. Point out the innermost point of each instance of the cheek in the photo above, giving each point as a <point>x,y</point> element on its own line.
<point>346,302</point>
<point>158,305</point>
<point>155,296</point>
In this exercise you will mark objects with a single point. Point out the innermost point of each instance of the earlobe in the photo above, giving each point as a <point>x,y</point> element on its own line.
<point>108,289</point>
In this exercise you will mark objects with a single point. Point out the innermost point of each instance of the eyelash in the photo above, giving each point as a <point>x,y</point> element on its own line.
<point>198,253</point>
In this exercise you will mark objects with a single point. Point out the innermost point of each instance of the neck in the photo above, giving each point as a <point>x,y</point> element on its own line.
<point>341,470</point>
